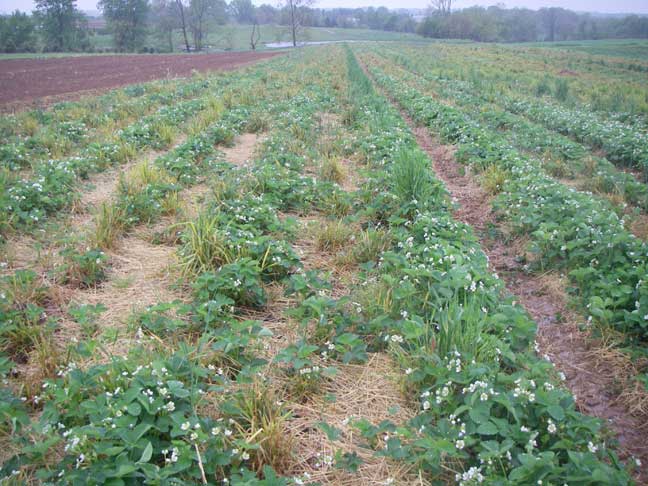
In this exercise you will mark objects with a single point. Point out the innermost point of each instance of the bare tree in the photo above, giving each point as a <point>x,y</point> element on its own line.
<point>255,36</point>
<point>297,10</point>
<point>183,22</point>
<point>165,20</point>
<point>198,12</point>
<point>197,16</point>
<point>443,7</point>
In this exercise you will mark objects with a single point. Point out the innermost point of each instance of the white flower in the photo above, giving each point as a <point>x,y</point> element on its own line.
<point>460,444</point>
<point>551,427</point>
<point>592,448</point>
<point>185,426</point>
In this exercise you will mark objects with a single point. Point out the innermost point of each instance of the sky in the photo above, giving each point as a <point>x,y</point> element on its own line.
<point>602,6</point>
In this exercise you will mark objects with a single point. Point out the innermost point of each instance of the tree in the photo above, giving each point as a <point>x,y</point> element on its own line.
<point>62,25</point>
<point>549,18</point>
<point>127,21</point>
<point>17,33</point>
<point>183,22</point>
<point>297,10</point>
<point>444,7</point>
<point>267,14</point>
<point>255,36</point>
<point>165,20</point>
<point>242,11</point>
<point>198,14</point>
<point>202,14</point>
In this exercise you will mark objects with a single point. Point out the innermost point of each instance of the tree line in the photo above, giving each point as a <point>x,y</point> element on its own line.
<point>496,24</point>
<point>59,26</point>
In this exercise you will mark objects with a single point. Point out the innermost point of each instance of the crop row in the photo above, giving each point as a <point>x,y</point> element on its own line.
<point>54,184</point>
<point>623,144</point>
<point>159,418</point>
<point>489,410</point>
<point>569,230</point>
<point>190,403</point>
<point>566,78</point>
<point>69,128</point>
<point>566,157</point>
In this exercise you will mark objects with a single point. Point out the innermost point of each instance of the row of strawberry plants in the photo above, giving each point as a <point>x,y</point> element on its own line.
<point>568,229</point>
<point>489,409</point>
<point>55,183</point>
<point>623,144</point>
<point>68,130</point>
<point>529,136</point>
<point>594,85</point>
<point>143,196</point>
<point>185,417</point>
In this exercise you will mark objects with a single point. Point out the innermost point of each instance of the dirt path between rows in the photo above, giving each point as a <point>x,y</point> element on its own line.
<point>590,380</point>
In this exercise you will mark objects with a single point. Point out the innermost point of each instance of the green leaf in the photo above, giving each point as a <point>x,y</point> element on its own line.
<point>480,413</point>
<point>125,470</point>
<point>134,409</point>
<point>147,454</point>
<point>489,428</point>
<point>557,412</point>
<point>331,432</point>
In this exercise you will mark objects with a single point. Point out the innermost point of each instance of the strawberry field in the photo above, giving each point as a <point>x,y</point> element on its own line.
<point>351,265</point>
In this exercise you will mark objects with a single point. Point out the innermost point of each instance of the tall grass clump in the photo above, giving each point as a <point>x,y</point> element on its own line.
<point>203,246</point>
<point>332,170</point>
<point>412,180</point>
<point>110,223</point>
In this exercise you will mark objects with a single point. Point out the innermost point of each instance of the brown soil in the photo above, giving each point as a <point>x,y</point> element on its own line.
<point>28,80</point>
<point>243,150</point>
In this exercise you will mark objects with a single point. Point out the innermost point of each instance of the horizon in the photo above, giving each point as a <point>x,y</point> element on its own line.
<point>622,7</point>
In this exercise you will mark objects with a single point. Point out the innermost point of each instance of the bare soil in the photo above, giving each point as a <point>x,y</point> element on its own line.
<point>242,152</point>
<point>26,82</point>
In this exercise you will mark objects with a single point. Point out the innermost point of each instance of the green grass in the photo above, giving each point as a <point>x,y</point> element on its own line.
<point>237,38</point>
<point>636,49</point>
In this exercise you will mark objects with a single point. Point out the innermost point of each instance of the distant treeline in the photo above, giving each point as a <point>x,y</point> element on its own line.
<point>58,25</point>
<point>495,24</point>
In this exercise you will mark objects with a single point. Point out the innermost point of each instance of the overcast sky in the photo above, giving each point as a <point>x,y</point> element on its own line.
<point>603,6</point>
